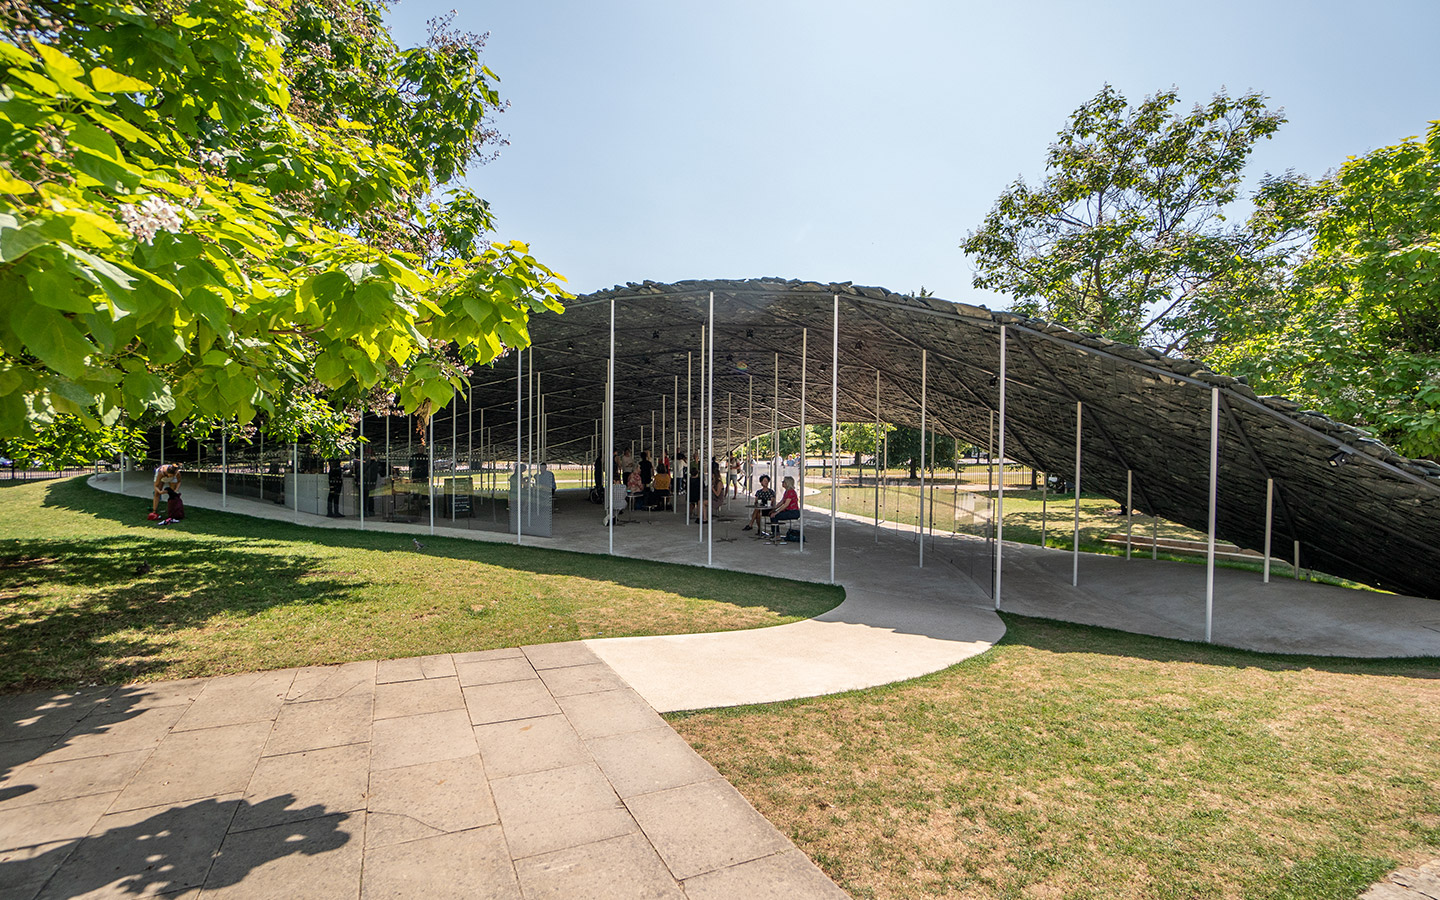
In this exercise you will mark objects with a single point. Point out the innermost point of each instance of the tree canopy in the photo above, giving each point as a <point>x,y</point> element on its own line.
<point>1353,326</point>
<point>220,209</point>
<point>1126,230</point>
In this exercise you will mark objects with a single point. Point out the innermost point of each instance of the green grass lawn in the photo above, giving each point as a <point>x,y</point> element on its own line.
<point>1072,761</point>
<point>229,593</point>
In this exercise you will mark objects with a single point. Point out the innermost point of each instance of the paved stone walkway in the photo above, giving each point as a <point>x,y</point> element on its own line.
<point>525,773</point>
<point>1411,883</point>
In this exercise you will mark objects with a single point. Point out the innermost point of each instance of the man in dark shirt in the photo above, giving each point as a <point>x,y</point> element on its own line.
<point>764,501</point>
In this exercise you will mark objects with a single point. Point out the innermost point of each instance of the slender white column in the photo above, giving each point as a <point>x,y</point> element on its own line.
<point>1214,480</point>
<point>295,472</point>
<point>1269,522</point>
<point>834,429</point>
<point>430,474</point>
<point>700,437</point>
<point>689,442</point>
<point>1297,560</point>
<point>360,478</point>
<point>519,444</point>
<point>224,466</point>
<point>162,445</point>
<point>1044,506</point>
<point>775,430</point>
<point>675,498</point>
<point>1000,497</point>
<point>924,382</point>
<point>804,360</point>
<point>1075,563</point>
<point>1129,509</point>
<point>710,422</point>
<point>454,447</point>
<point>608,487</point>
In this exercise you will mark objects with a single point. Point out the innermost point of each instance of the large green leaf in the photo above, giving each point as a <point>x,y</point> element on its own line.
<point>52,338</point>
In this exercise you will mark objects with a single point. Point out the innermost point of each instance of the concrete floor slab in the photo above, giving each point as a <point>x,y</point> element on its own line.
<point>521,746</point>
<point>508,700</point>
<point>494,670</point>
<point>705,826</point>
<point>318,858</point>
<point>553,794</point>
<point>407,698</point>
<point>780,877</point>
<point>409,807</point>
<point>410,740</point>
<point>473,864</point>
<point>315,724</point>
<point>180,844</point>
<point>190,765</point>
<point>334,779</point>
<point>424,800</point>
<point>621,868</point>
<point>641,762</point>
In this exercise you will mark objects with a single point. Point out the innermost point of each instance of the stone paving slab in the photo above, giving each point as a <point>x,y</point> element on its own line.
<point>382,780</point>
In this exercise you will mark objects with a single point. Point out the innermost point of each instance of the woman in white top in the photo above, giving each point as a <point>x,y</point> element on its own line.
<point>167,478</point>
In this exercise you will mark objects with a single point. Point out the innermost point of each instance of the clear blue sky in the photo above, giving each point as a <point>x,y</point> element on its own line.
<point>845,141</point>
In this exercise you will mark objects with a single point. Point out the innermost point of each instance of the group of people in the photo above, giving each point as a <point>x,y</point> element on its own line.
<point>638,482</point>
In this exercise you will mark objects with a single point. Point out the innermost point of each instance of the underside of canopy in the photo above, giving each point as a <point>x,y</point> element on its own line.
<point>1373,518</point>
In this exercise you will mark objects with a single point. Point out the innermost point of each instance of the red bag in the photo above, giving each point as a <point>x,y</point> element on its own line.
<point>174,506</point>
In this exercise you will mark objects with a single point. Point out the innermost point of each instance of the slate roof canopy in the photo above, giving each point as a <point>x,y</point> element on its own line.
<point>1375,519</point>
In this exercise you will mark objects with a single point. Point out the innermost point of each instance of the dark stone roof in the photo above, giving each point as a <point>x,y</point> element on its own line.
<point>1375,519</point>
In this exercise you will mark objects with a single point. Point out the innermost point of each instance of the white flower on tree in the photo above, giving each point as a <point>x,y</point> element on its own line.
<point>152,215</point>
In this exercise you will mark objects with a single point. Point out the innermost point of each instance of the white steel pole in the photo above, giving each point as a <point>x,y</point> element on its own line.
<point>689,443</point>
<point>430,473</point>
<point>1075,552</point>
<point>1000,497</point>
<point>360,482</point>
<point>1269,522</point>
<point>804,360</point>
<point>295,475</point>
<point>834,429</point>
<point>454,447</point>
<point>675,451</point>
<point>700,438</point>
<point>162,444</point>
<point>1214,480</point>
<point>710,423</point>
<point>519,444</point>
<point>877,456</point>
<point>775,429</point>
<point>1129,508</point>
<point>924,380</point>
<point>609,480</point>
<point>224,466</point>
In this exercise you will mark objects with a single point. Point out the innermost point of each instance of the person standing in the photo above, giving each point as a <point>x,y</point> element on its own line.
<point>732,475</point>
<point>337,485</point>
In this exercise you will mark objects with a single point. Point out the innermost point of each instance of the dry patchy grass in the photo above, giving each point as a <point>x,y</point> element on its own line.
<point>1078,762</point>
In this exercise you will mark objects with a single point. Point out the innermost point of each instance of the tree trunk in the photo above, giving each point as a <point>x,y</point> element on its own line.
<point>914,469</point>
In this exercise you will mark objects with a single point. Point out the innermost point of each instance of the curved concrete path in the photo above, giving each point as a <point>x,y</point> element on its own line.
<point>896,622</point>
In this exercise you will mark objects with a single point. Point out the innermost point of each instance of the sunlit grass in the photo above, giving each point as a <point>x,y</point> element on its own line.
<point>1080,762</point>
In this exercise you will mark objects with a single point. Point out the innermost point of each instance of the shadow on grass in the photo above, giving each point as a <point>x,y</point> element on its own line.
<point>113,631</point>
<point>784,597</point>
<point>1066,637</point>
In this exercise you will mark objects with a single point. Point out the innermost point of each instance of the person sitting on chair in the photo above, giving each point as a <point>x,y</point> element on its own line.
<point>764,502</point>
<point>662,483</point>
<point>789,508</point>
<point>617,502</point>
